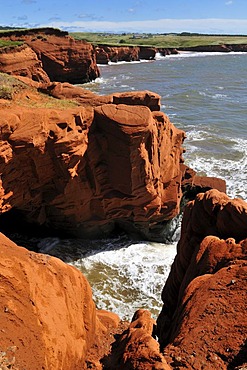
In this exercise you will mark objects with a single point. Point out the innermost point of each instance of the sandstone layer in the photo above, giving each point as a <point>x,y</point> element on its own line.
<point>203,323</point>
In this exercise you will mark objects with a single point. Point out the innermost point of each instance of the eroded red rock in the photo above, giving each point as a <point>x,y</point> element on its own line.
<point>135,348</point>
<point>65,59</point>
<point>87,171</point>
<point>23,61</point>
<point>106,54</point>
<point>47,311</point>
<point>62,58</point>
<point>205,294</point>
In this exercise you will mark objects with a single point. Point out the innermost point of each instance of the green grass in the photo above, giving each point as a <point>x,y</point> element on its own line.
<point>159,40</point>
<point>8,43</point>
<point>9,86</point>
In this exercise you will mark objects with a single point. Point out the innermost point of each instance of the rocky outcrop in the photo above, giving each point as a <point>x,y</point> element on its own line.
<point>22,61</point>
<point>167,51</point>
<point>238,47</point>
<point>205,294</point>
<point>60,56</point>
<point>43,321</point>
<point>147,53</point>
<point>87,171</point>
<point>106,54</point>
<point>115,162</point>
<point>145,98</point>
<point>136,348</point>
<point>192,184</point>
<point>84,97</point>
<point>65,59</point>
<point>88,98</point>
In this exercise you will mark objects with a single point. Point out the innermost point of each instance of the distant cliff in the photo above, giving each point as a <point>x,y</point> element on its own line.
<point>59,56</point>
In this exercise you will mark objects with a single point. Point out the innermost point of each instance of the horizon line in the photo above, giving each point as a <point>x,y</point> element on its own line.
<point>162,25</point>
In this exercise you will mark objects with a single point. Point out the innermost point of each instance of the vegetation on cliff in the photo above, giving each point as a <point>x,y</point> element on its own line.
<point>159,40</point>
<point>9,43</point>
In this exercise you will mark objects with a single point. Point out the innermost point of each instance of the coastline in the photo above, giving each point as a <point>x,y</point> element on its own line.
<point>93,166</point>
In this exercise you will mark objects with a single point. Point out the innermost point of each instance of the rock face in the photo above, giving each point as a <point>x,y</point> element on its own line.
<point>59,56</point>
<point>105,54</point>
<point>22,61</point>
<point>205,294</point>
<point>65,59</point>
<point>225,48</point>
<point>136,347</point>
<point>47,311</point>
<point>86,171</point>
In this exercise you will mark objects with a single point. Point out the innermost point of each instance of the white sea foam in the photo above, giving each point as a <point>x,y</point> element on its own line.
<point>195,54</point>
<point>158,56</point>
<point>129,278</point>
<point>131,62</point>
<point>205,156</point>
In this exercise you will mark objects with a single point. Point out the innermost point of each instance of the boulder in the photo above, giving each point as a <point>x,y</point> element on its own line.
<point>146,98</point>
<point>192,184</point>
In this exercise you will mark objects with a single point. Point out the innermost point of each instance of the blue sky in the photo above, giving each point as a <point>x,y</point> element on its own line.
<point>158,16</point>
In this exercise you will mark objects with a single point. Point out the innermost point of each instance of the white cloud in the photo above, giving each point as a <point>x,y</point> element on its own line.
<point>234,26</point>
<point>230,2</point>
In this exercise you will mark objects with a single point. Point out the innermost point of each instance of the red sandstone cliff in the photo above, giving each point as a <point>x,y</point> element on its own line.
<point>202,325</point>
<point>65,59</point>
<point>203,322</point>
<point>105,54</point>
<point>85,170</point>
<point>47,314</point>
<point>22,61</point>
<point>115,161</point>
<point>51,53</point>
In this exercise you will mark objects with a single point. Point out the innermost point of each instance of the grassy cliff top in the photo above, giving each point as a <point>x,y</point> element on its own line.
<point>159,40</point>
<point>15,91</point>
<point>8,43</point>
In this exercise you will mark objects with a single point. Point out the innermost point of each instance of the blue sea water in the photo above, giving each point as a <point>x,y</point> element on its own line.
<point>204,94</point>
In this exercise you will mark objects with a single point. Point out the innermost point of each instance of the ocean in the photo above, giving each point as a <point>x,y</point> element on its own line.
<point>204,94</point>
